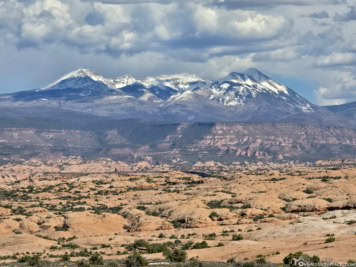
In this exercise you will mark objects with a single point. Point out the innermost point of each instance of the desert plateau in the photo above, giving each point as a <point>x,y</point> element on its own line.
<point>75,211</point>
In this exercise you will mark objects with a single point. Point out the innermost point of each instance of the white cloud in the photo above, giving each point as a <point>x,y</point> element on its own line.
<point>207,37</point>
<point>336,59</point>
<point>238,24</point>
<point>283,54</point>
<point>341,89</point>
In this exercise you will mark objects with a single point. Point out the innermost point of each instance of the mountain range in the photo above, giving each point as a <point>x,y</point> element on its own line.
<point>250,96</point>
<point>243,116</point>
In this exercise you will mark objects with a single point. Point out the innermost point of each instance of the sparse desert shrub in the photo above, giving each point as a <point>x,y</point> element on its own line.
<point>65,257</point>
<point>30,260</point>
<point>276,179</point>
<point>82,263</point>
<point>161,235</point>
<point>177,224</point>
<point>136,260</point>
<point>211,236</point>
<point>193,262</point>
<point>330,239</point>
<point>231,260</point>
<point>64,227</point>
<point>149,248</point>
<point>215,204</point>
<point>308,191</point>
<point>213,215</point>
<point>246,206</point>
<point>248,264</point>
<point>258,217</point>
<point>200,245</point>
<point>292,257</point>
<point>105,246</point>
<point>237,237</point>
<point>96,259</point>
<point>260,259</point>
<point>187,245</point>
<point>70,245</point>
<point>328,199</point>
<point>351,262</point>
<point>176,255</point>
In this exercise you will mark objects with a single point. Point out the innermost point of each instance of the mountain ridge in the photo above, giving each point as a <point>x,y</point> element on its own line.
<point>250,96</point>
<point>175,97</point>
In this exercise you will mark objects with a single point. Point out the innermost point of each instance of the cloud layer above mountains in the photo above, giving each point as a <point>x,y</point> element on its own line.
<point>299,39</point>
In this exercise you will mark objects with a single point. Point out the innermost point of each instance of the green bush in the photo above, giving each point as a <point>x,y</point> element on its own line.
<point>161,235</point>
<point>237,237</point>
<point>149,248</point>
<point>65,257</point>
<point>308,191</point>
<point>96,259</point>
<point>200,245</point>
<point>260,259</point>
<point>213,214</point>
<point>187,245</point>
<point>300,256</point>
<point>211,236</point>
<point>176,255</point>
<point>177,224</point>
<point>70,245</point>
<point>82,263</point>
<point>351,262</point>
<point>248,264</point>
<point>330,239</point>
<point>231,260</point>
<point>30,260</point>
<point>194,263</point>
<point>64,227</point>
<point>136,260</point>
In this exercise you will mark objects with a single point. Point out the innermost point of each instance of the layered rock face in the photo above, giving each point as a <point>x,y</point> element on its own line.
<point>186,143</point>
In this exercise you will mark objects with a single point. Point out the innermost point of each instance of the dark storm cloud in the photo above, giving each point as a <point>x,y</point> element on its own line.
<point>348,16</point>
<point>320,15</point>
<point>94,18</point>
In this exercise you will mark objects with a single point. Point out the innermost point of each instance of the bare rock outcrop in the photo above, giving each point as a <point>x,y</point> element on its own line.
<point>307,205</point>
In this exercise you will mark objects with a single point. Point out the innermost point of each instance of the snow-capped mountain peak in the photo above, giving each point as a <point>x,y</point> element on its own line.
<point>183,77</point>
<point>235,92</point>
<point>123,81</point>
<point>79,73</point>
<point>256,75</point>
<point>179,82</point>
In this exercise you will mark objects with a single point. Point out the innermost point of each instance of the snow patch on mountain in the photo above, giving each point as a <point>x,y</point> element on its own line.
<point>80,73</point>
<point>122,81</point>
<point>178,82</point>
<point>234,90</point>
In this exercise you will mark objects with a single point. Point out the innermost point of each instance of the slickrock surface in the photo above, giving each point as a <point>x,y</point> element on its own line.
<point>71,205</point>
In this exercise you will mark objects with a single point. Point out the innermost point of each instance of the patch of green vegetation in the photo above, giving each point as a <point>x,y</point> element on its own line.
<point>211,236</point>
<point>293,257</point>
<point>308,191</point>
<point>175,255</point>
<point>237,237</point>
<point>136,260</point>
<point>200,245</point>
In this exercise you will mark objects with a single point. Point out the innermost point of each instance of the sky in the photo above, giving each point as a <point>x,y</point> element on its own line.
<point>309,45</point>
